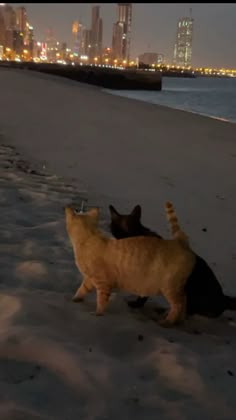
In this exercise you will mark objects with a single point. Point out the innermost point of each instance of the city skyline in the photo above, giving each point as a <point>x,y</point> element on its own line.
<point>153,27</point>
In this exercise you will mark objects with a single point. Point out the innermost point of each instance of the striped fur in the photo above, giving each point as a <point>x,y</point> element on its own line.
<point>107,263</point>
<point>175,229</point>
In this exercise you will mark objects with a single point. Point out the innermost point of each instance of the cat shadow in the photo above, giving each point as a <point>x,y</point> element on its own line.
<point>221,327</point>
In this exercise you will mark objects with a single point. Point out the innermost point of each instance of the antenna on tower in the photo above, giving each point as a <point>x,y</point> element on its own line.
<point>190,12</point>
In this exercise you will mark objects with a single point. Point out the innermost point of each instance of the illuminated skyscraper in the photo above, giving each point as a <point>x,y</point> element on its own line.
<point>75,43</point>
<point>31,40</point>
<point>122,32</point>
<point>96,33</point>
<point>183,45</point>
<point>77,32</point>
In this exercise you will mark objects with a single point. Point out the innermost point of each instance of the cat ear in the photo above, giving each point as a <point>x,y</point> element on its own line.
<point>94,212</point>
<point>114,213</point>
<point>137,212</point>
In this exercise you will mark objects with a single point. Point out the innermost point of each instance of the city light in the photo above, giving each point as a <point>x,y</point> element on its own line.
<point>86,48</point>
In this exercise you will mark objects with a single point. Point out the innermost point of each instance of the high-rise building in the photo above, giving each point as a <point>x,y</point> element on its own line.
<point>117,45</point>
<point>51,46</point>
<point>7,25</point>
<point>96,33</point>
<point>75,43</point>
<point>2,28</point>
<point>122,32</point>
<point>21,19</point>
<point>63,50</point>
<point>18,42</point>
<point>86,42</point>
<point>31,41</point>
<point>183,45</point>
<point>9,17</point>
<point>77,38</point>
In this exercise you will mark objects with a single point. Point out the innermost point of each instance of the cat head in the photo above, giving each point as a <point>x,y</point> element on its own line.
<point>81,221</point>
<point>124,225</point>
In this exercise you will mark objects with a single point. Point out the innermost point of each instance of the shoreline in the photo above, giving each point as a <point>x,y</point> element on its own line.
<point>111,92</point>
<point>122,95</point>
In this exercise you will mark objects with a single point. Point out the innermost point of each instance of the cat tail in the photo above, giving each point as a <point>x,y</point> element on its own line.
<point>175,229</point>
<point>230,303</point>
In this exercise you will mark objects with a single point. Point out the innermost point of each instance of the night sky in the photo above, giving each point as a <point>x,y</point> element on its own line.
<point>153,27</point>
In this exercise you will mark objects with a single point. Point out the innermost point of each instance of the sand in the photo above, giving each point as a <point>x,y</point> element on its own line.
<point>61,142</point>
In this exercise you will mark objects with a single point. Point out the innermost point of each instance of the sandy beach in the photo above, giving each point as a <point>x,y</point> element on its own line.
<point>61,142</point>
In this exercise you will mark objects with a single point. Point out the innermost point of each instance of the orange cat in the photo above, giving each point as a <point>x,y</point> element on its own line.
<point>144,266</point>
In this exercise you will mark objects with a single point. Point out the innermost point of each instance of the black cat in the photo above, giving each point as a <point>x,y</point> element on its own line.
<point>204,293</point>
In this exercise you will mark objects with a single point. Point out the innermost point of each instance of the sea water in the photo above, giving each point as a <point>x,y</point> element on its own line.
<point>210,96</point>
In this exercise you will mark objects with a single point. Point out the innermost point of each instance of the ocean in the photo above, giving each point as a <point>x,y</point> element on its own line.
<point>213,97</point>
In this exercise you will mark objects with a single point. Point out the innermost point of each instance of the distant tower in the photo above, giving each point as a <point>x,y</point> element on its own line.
<point>183,44</point>
<point>21,19</point>
<point>122,32</point>
<point>50,45</point>
<point>31,40</point>
<point>86,42</point>
<point>75,41</point>
<point>96,33</point>
<point>77,38</point>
